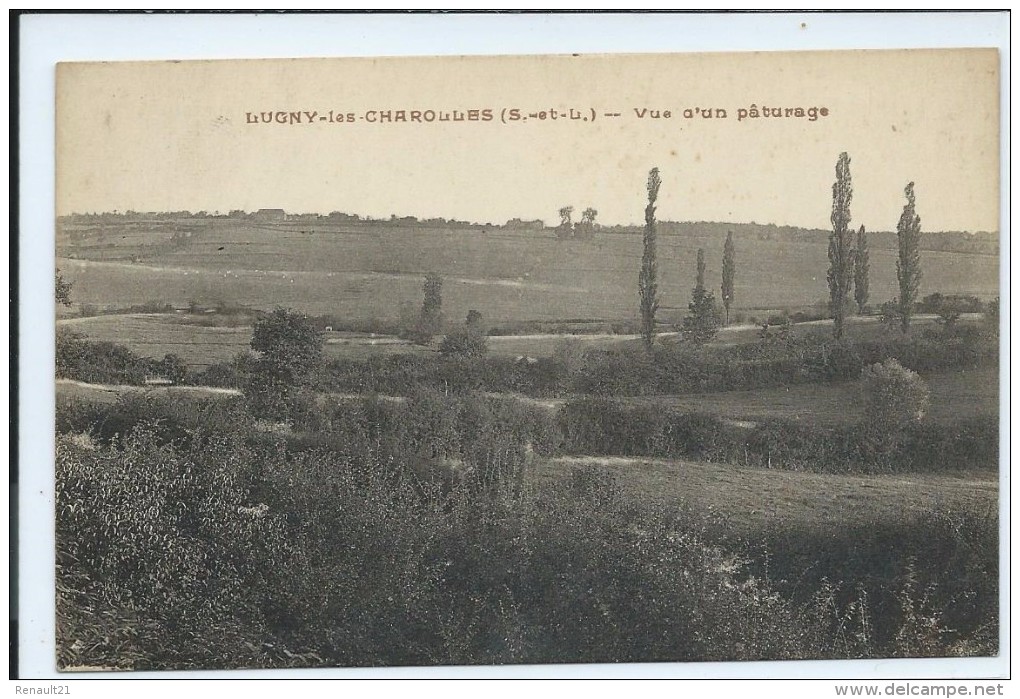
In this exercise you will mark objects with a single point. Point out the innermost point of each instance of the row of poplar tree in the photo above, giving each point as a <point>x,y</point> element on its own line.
<point>704,318</point>
<point>849,266</point>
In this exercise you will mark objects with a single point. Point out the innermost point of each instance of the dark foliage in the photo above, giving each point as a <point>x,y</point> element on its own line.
<point>290,350</point>
<point>100,362</point>
<point>62,290</point>
<point>908,263</point>
<point>289,346</point>
<point>841,253</point>
<point>862,270</point>
<point>413,534</point>
<point>464,342</point>
<point>779,359</point>
<point>647,284</point>
<point>599,426</point>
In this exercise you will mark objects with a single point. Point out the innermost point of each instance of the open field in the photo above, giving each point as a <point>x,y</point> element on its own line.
<point>157,334</point>
<point>362,271</point>
<point>751,500</point>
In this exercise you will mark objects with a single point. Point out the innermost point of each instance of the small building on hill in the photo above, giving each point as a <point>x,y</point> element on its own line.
<point>270,215</point>
<point>519,224</point>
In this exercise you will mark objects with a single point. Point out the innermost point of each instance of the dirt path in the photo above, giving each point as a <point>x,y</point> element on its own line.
<point>110,392</point>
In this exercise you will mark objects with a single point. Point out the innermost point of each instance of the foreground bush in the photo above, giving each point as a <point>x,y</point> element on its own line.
<point>167,541</point>
<point>921,584</point>
<point>225,558</point>
<point>894,397</point>
<point>180,420</point>
<point>415,533</point>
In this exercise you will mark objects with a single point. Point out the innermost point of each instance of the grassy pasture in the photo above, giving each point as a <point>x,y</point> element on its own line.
<point>155,335</point>
<point>750,500</point>
<point>954,395</point>
<point>360,271</point>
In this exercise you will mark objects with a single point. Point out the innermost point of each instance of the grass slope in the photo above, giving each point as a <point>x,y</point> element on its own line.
<point>749,500</point>
<point>360,271</point>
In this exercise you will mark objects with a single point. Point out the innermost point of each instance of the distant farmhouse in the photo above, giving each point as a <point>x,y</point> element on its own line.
<point>535,225</point>
<point>270,215</point>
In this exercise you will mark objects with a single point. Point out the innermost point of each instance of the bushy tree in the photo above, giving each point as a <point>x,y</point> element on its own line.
<point>468,341</point>
<point>702,324</point>
<point>862,270</point>
<point>947,308</point>
<point>992,315</point>
<point>430,319</point>
<point>289,344</point>
<point>729,272</point>
<point>893,396</point>
<point>290,349</point>
<point>463,342</point>
<point>647,284</point>
<point>174,368</point>
<point>908,264</point>
<point>889,314</point>
<point>566,228</point>
<point>585,229</point>
<point>62,290</point>
<point>841,268</point>
<point>474,321</point>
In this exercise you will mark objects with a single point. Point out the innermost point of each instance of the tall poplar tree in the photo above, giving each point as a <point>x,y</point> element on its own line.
<point>841,268</point>
<point>861,270</point>
<point>908,265</point>
<point>729,271</point>
<point>647,284</point>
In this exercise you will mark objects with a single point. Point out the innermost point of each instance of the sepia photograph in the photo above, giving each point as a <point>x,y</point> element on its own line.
<point>527,359</point>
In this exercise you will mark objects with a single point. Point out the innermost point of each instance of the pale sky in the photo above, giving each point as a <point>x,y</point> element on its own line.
<point>170,136</point>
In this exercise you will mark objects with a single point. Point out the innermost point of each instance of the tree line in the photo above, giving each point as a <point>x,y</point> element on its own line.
<point>849,264</point>
<point>704,318</point>
<point>849,267</point>
<point>581,230</point>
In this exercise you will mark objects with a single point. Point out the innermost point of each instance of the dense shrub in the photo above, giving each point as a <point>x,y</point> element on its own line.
<point>173,368</point>
<point>181,420</point>
<point>223,375</point>
<point>94,361</point>
<point>416,532</point>
<point>949,304</point>
<point>920,584</point>
<point>775,361</point>
<point>922,447</point>
<point>229,558</point>
<point>893,397</point>
<point>677,368</point>
<point>99,362</point>
<point>464,342</point>
<point>599,426</point>
<point>173,541</point>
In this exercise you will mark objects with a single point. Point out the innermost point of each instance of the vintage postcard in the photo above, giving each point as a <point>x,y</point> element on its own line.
<point>525,360</point>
